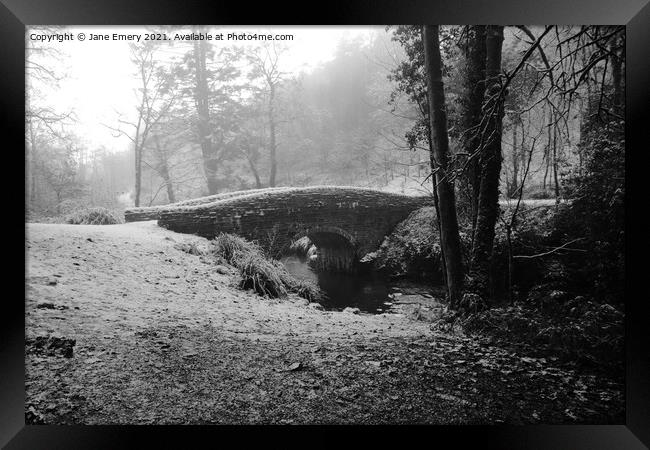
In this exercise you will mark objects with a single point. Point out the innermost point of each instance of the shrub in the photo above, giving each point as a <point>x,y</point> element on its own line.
<point>303,288</point>
<point>260,275</point>
<point>93,216</point>
<point>596,215</point>
<point>413,248</point>
<point>69,206</point>
<point>264,275</point>
<point>309,291</point>
<point>532,234</point>
<point>232,247</point>
<point>573,329</point>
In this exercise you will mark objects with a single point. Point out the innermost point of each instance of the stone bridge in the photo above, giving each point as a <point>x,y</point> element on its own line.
<point>344,223</point>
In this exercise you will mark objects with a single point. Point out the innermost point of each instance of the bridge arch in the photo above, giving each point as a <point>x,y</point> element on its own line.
<point>336,248</point>
<point>317,231</point>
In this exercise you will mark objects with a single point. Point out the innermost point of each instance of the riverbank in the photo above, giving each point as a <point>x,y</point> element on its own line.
<point>159,335</point>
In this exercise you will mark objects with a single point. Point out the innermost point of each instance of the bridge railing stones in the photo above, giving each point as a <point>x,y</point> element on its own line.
<point>153,212</point>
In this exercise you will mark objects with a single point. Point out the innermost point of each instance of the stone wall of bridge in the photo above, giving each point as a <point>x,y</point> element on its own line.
<point>344,223</point>
<point>274,218</point>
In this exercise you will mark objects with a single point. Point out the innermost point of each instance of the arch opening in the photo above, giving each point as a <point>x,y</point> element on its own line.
<point>334,253</point>
<point>334,250</point>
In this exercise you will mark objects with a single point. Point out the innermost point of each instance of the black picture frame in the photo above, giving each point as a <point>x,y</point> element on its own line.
<point>635,14</point>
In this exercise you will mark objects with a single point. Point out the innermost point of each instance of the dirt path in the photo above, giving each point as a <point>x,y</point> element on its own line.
<point>161,337</point>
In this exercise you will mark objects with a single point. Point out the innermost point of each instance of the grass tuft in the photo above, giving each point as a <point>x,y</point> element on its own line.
<point>308,290</point>
<point>93,216</point>
<point>261,275</point>
<point>258,272</point>
<point>232,247</point>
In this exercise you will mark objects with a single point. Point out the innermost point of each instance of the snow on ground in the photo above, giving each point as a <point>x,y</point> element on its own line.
<point>130,273</point>
<point>161,337</point>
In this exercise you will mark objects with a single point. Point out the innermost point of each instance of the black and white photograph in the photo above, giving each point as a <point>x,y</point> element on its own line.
<point>325,225</point>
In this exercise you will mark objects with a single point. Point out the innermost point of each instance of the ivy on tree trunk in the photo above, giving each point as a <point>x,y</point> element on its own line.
<point>490,166</point>
<point>471,103</point>
<point>442,183</point>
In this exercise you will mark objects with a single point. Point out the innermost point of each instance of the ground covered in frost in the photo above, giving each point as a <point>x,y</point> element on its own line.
<point>124,326</point>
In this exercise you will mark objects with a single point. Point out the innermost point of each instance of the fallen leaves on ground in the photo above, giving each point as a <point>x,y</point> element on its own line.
<point>200,355</point>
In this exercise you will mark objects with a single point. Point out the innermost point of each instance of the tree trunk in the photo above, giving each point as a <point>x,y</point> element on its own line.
<point>472,101</point>
<point>522,153</point>
<point>164,173</point>
<point>436,205</point>
<point>490,166</point>
<point>580,146</point>
<point>555,162</point>
<point>138,171</point>
<point>58,202</point>
<point>617,78</point>
<point>449,236</point>
<point>274,163</point>
<point>163,170</point>
<point>553,156</point>
<point>547,150</point>
<point>258,182</point>
<point>210,163</point>
<point>31,168</point>
<point>510,260</point>
<point>514,185</point>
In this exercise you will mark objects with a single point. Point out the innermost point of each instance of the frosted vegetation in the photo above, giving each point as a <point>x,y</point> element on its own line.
<point>516,270</point>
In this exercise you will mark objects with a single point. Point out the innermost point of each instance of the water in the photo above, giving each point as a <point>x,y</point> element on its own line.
<point>368,292</point>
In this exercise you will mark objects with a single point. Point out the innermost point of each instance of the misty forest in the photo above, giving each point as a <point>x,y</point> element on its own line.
<point>325,225</point>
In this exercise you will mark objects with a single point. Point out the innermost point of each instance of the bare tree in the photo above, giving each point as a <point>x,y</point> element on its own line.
<point>42,72</point>
<point>265,65</point>
<point>59,169</point>
<point>155,100</point>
